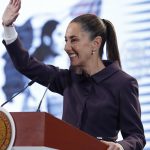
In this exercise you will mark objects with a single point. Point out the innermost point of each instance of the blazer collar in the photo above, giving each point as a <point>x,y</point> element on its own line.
<point>110,68</point>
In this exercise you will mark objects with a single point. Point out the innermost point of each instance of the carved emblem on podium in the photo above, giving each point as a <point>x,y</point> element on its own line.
<point>7,130</point>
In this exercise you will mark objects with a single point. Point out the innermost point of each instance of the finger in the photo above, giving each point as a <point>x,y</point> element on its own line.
<point>16,3</point>
<point>18,6</point>
<point>105,142</point>
<point>11,1</point>
<point>113,147</point>
<point>19,3</point>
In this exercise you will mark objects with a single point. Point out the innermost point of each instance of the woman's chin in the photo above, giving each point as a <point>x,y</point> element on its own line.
<point>74,64</point>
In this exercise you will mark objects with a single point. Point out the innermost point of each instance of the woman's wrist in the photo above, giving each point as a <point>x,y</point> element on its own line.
<point>7,25</point>
<point>9,34</point>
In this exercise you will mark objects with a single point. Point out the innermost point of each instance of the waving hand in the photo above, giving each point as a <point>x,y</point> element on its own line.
<point>11,12</point>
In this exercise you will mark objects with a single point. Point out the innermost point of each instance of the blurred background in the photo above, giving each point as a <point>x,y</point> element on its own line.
<point>41,26</point>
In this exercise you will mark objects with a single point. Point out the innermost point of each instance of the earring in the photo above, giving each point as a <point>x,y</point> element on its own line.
<point>93,52</point>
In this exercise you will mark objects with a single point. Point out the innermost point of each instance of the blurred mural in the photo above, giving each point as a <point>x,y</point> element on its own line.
<point>137,46</point>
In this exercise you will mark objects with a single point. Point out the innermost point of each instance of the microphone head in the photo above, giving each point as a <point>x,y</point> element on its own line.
<point>32,81</point>
<point>29,84</point>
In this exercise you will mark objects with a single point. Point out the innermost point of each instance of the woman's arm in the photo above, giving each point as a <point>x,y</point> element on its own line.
<point>130,117</point>
<point>31,67</point>
<point>24,63</point>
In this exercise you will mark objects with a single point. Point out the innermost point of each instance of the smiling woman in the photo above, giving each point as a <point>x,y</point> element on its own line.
<point>99,97</point>
<point>78,46</point>
<point>85,39</point>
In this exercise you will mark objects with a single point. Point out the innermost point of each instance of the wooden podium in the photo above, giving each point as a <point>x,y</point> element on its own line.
<point>42,129</point>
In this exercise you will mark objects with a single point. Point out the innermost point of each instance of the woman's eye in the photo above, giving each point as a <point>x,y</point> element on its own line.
<point>74,40</point>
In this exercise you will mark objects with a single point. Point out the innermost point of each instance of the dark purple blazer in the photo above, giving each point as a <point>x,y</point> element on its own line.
<point>101,105</point>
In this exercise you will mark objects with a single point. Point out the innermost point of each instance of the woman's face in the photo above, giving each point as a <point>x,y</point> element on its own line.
<point>78,45</point>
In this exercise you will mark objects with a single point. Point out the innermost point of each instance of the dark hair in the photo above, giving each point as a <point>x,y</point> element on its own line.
<point>104,28</point>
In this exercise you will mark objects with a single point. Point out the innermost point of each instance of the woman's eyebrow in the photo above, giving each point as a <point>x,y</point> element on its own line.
<point>72,36</point>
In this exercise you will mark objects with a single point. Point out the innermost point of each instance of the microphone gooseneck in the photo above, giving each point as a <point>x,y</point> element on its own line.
<point>38,109</point>
<point>29,84</point>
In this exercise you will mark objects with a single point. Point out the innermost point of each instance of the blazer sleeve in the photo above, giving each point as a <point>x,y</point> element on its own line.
<point>130,117</point>
<point>32,68</point>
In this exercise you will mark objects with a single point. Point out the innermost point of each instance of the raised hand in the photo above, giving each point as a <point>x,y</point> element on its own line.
<point>11,12</point>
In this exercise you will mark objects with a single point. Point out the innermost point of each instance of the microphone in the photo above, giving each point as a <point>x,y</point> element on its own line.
<point>29,84</point>
<point>38,109</point>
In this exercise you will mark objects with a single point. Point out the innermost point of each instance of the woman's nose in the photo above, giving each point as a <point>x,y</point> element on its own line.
<point>68,47</point>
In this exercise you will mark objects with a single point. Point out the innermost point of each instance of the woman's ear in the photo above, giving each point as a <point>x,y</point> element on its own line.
<point>97,42</point>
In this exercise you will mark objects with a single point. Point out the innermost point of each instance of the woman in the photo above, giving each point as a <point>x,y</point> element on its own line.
<point>99,98</point>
